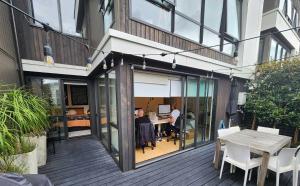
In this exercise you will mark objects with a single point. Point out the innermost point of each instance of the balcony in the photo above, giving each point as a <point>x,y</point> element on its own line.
<point>275,19</point>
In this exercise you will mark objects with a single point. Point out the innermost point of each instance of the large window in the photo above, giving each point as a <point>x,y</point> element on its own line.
<point>107,8</point>
<point>59,14</point>
<point>291,13</point>
<point>151,13</point>
<point>277,51</point>
<point>219,24</point>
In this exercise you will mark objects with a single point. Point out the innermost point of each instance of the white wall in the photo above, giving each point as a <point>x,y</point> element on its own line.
<point>252,11</point>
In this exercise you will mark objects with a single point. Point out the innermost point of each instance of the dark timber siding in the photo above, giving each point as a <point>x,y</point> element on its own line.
<point>32,39</point>
<point>8,57</point>
<point>125,24</point>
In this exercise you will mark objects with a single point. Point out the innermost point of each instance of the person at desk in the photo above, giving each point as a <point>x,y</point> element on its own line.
<point>172,120</point>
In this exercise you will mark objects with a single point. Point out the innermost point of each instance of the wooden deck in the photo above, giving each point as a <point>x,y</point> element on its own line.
<point>84,161</point>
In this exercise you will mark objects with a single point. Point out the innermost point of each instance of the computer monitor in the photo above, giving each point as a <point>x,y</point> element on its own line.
<point>164,109</point>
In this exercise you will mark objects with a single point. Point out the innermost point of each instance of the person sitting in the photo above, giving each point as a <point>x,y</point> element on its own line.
<point>172,122</point>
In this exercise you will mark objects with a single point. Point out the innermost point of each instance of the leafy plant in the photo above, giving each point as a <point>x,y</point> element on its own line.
<point>274,95</point>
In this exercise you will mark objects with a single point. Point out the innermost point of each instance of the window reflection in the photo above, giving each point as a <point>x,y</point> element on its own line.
<point>233,18</point>
<point>213,14</point>
<point>228,48</point>
<point>46,11</point>
<point>186,28</point>
<point>272,50</point>
<point>191,9</point>
<point>150,13</point>
<point>211,39</point>
<point>67,16</point>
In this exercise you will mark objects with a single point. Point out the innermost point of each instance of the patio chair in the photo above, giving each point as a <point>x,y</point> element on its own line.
<point>297,166</point>
<point>268,130</point>
<point>225,132</point>
<point>282,163</point>
<point>239,156</point>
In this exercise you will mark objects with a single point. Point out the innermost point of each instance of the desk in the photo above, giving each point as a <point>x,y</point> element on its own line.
<point>159,123</point>
<point>258,141</point>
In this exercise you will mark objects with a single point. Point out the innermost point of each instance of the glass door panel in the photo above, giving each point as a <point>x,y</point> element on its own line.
<point>50,89</point>
<point>190,112</point>
<point>103,110</point>
<point>206,92</point>
<point>113,118</point>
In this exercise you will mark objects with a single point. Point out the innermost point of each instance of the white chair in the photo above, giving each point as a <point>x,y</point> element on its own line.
<point>225,132</point>
<point>284,162</point>
<point>268,130</point>
<point>239,156</point>
<point>296,166</point>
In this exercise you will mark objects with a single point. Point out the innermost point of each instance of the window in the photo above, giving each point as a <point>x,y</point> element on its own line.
<point>186,28</point>
<point>289,11</point>
<point>79,95</point>
<point>216,25</point>
<point>187,19</point>
<point>277,51</point>
<point>151,13</point>
<point>213,14</point>
<point>59,14</point>
<point>108,13</point>
<point>232,27</point>
<point>46,11</point>
<point>191,9</point>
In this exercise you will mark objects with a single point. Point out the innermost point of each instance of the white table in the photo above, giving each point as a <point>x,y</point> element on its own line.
<point>266,143</point>
<point>159,123</point>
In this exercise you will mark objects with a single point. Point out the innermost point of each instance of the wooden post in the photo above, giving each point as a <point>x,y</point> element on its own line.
<point>264,169</point>
<point>217,154</point>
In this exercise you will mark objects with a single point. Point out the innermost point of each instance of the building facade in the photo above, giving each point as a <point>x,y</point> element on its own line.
<point>150,55</point>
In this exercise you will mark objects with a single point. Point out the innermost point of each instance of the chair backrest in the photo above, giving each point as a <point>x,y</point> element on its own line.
<point>285,156</point>
<point>239,153</point>
<point>225,132</point>
<point>297,155</point>
<point>268,130</point>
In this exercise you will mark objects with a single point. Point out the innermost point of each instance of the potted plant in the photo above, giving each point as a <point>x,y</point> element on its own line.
<point>25,117</point>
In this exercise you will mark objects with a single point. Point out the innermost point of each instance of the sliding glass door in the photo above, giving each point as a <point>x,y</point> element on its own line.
<point>107,111</point>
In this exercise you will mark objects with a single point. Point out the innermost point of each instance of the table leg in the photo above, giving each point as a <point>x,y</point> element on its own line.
<point>263,169</point>
<point>159,129</point>
<point>217,154</point>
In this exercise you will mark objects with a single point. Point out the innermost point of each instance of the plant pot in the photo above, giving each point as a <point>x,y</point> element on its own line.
<point>41,143</point>
<point>28,161</point>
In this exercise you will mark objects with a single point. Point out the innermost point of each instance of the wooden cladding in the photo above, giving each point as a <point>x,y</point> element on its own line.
<point>125,24</point>
<point>32,39</point>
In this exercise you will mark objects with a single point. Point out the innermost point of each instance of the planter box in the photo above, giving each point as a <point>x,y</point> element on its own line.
<point>28,161</point>
<point>41,144</point>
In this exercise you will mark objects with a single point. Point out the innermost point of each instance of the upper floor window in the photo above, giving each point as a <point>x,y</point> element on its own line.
<point>107,8</point>
<point>291,13</point>
<point>209,22</point>
<point>59,14</point>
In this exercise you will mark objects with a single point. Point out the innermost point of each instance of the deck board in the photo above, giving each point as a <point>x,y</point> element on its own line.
<point>84,161</point>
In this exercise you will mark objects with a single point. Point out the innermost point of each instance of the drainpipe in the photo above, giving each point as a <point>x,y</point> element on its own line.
<point>17,49</point>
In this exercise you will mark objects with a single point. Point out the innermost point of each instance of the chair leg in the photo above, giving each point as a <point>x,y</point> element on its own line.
<point>222,166</point>
<point>295,177</point>
<point>246,177</point>
<point>277,178</point>
<point>250,175</point>
<point>231,169</point>
<point>258,172</point>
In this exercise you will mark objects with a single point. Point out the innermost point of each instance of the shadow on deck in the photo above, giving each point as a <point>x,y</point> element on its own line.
<point>84,161</point>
